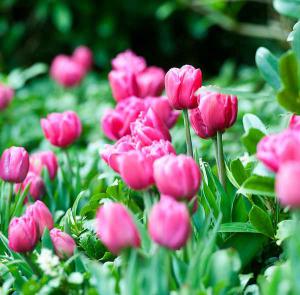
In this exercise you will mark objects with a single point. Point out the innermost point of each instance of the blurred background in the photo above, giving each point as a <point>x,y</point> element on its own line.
<point>168,33</point>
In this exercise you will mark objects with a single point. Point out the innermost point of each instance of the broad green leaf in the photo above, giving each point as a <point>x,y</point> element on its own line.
<point>289,8</point>
<point>251,138</point>
<point>252,121</point>
<point>267,64</point>
<point>261,221</point>
<point>238,171</point>
<point>238,227</point>
<point>46,240</point>
<point>258,185</point>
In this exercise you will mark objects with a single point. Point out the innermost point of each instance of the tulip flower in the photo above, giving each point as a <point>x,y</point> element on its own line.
<point>288,185</point>
<point>64,245</point>
<point>177,176</point>
<point>61,129</point>
<point>83,56</point>
<point>274,150</point>
<point>116,228</point>
<point>45,159</point>
<point>158,149</point>
<point>169,224</point>
<point>66,71</point>
<point>22,234</point>
<point>6,96</point>
<point>128,61</point>
<point>41,215</point>
<point>14,164</point>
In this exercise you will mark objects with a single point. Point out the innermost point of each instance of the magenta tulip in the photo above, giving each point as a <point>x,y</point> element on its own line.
<point>83,56</point>
<point>183,168</point>
<point>128,61</point>
<point>64,245</point>
<point>6,96</point>
<point>294,122</point>
<point>62,129</point>
<point>158,149</point>
<point>40,160</point>
<point>41,215</point>
<point>22,234</point>
<point>181,85</point>
<point>169,223</point>
<point>116,228</point>
<point>14,164</point>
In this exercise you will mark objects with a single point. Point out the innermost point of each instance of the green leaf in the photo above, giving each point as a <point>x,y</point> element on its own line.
<point>238,227</point>
<point>289,8</point>
<point>251,138</point>
<point>238,171</point>
<point>285,229</point>
<point>267,64</point>
<point>252,121</point>
<point>296,40</point>
<point>261,221</point>
<point>46,240</point>
<point>62,17</point>
<point>258,185</point>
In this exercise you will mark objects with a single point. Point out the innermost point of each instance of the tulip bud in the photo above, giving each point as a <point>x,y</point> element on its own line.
<point>181,85</point>
<point>294,122</point>
<point>14,164</point>
<point>6,95</point>
<point>169,223</point>
<point>22,234</point>
<point>41,215</point>
<point>183,168</point>
<point>84,57</point>
<point>149,127</point>
<point>288,185</point>
<point>64,245</point>
<point>66,72</point>
<point>62,129</point>
<point>116,228</point>
<point>45,159</point>
<point>274,150</point>
<point>151,82</point>
<point>128,61</point>
<point>215,113</point>
<point>36,185</point>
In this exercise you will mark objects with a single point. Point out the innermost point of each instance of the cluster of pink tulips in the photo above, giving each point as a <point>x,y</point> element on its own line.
<point>281,154</point>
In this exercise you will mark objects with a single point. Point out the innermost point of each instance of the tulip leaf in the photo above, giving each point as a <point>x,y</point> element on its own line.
<point>296,40</point>
<point>251,138</point>
<point>238,171</point>
<point>258,185</point>
<point>252,121</point>
<point>238,227</point>
<point>289,8</point>
<point>46,240</point>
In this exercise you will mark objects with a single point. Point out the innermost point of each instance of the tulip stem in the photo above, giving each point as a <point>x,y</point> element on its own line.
<point>189,145</point>
<point>68,161</point>
<point>34,268</point>
<point>222,169</point>
<point>7,208</point>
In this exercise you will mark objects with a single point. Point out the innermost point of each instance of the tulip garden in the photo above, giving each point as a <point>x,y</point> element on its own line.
<point>151,181</point>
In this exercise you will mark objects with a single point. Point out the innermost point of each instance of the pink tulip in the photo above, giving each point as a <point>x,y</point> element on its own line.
<point>22,234</point>
<point>66,71</point>
<point>169,223</point>
<point>128,61</point>
<point>40,160</point>
<point>64,245</point>
<point>181,85</point>
<point>177,176</point>
<point>274,150</point>
<point>116,122</point>
<point>151,82</point>
<point>288,185</point>
<point>14,164</point>
<point>84,57</point>
<point>36,185</point>
<point>123,84</point>
<point>41,215</point>
<point>62,129</point>
<point>215,113</point>
<point>149,127</point>
<point>6,96</point>
<point>294,122</point>
<point>157,149</point>
<point>116,228</point>
<point>111,153</point>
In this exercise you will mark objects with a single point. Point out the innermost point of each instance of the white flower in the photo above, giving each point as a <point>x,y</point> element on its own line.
<point>48,262</point>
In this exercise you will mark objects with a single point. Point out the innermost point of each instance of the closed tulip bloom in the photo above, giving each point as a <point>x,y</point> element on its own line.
<point>215,113</point>
<point>149,127</point>
<point>84,57</point>
<point>40,160</point>
<point>14,164</point>
<point>116,228</point>
<point>169,224</point>
<point>129,61</point>
<point>288,185</point>
<point>6,96</point>
<point>41,215</point>
<point>158,149</point>
<point>181,85</point>
<point>151,82</point>
<point>123,84</point>
<point>274,150</point>
<point>36,185</point>
<point>62,129</point>
<point>64,245</point>
<point>66,71</point>
<point>177,176</point>
<point>22,234</point>
<point>295,122</point>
